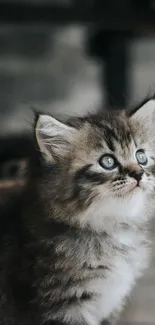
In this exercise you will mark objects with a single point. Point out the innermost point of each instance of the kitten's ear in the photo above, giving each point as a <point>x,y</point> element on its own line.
<point>146,112</point>
<point>54,137</point>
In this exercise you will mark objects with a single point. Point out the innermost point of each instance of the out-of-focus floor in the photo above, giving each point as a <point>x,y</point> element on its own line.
<point>48,68</point>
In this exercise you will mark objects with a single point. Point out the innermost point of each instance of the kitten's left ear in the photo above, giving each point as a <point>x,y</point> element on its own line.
<point>145,112</point>
<point>54,137</point>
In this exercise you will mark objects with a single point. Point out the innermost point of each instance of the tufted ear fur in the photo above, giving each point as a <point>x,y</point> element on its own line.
<point>145,112</point>
<point>54,137</point>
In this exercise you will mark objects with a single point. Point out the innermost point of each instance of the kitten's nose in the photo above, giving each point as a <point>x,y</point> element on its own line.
<point>137,174</point>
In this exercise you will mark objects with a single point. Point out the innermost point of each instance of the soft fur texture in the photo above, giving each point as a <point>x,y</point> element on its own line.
<point>75,241</point>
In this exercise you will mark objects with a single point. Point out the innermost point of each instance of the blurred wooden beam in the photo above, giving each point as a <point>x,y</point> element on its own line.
<point>12,185</point>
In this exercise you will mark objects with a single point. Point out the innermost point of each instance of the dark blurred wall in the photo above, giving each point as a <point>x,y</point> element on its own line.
<point>45,67</point>
<point>49,68</point>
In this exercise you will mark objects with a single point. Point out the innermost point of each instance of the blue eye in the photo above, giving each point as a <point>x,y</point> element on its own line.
<point>141,157</point>
<point>108,162</point>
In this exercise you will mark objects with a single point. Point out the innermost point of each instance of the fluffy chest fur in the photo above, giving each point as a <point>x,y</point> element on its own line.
<point>97,273</point>
<point>117,284</point>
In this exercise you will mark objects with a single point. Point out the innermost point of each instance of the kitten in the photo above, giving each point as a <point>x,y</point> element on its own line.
<point>75,240</point>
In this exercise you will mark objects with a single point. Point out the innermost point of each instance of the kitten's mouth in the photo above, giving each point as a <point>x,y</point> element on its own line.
<point>132,187</point>
<point>128,189</point>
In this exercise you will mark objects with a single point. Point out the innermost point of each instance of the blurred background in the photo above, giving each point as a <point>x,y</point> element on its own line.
<point>71,57</point>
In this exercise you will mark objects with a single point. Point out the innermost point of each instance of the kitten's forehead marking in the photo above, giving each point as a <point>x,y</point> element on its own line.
<point>118,131</point>
<point>126,153</point>
<point>118,139</point>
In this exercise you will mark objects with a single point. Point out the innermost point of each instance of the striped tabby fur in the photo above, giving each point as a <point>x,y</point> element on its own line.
<point>76,240</point>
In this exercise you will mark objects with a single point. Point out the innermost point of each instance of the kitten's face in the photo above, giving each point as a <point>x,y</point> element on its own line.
<point>106,166</point>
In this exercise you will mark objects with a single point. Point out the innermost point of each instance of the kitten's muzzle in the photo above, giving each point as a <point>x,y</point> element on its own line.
<point>137,175</point>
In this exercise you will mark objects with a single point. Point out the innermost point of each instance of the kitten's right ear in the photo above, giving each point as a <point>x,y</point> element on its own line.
<point>54,137</point>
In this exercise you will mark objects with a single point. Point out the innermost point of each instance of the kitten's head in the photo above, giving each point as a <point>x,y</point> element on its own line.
<point>99,167</point>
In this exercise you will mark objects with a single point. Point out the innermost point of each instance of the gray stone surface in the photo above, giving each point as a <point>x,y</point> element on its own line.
<point>47,67</point>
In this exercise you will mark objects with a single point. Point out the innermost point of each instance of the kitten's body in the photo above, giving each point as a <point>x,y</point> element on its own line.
<point>70,254</point>
<point>72,275</point>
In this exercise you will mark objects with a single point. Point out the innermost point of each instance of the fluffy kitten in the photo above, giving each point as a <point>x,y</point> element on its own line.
<point>75,241</point>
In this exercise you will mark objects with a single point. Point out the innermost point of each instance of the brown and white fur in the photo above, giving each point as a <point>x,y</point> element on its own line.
<point>81,240</point>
